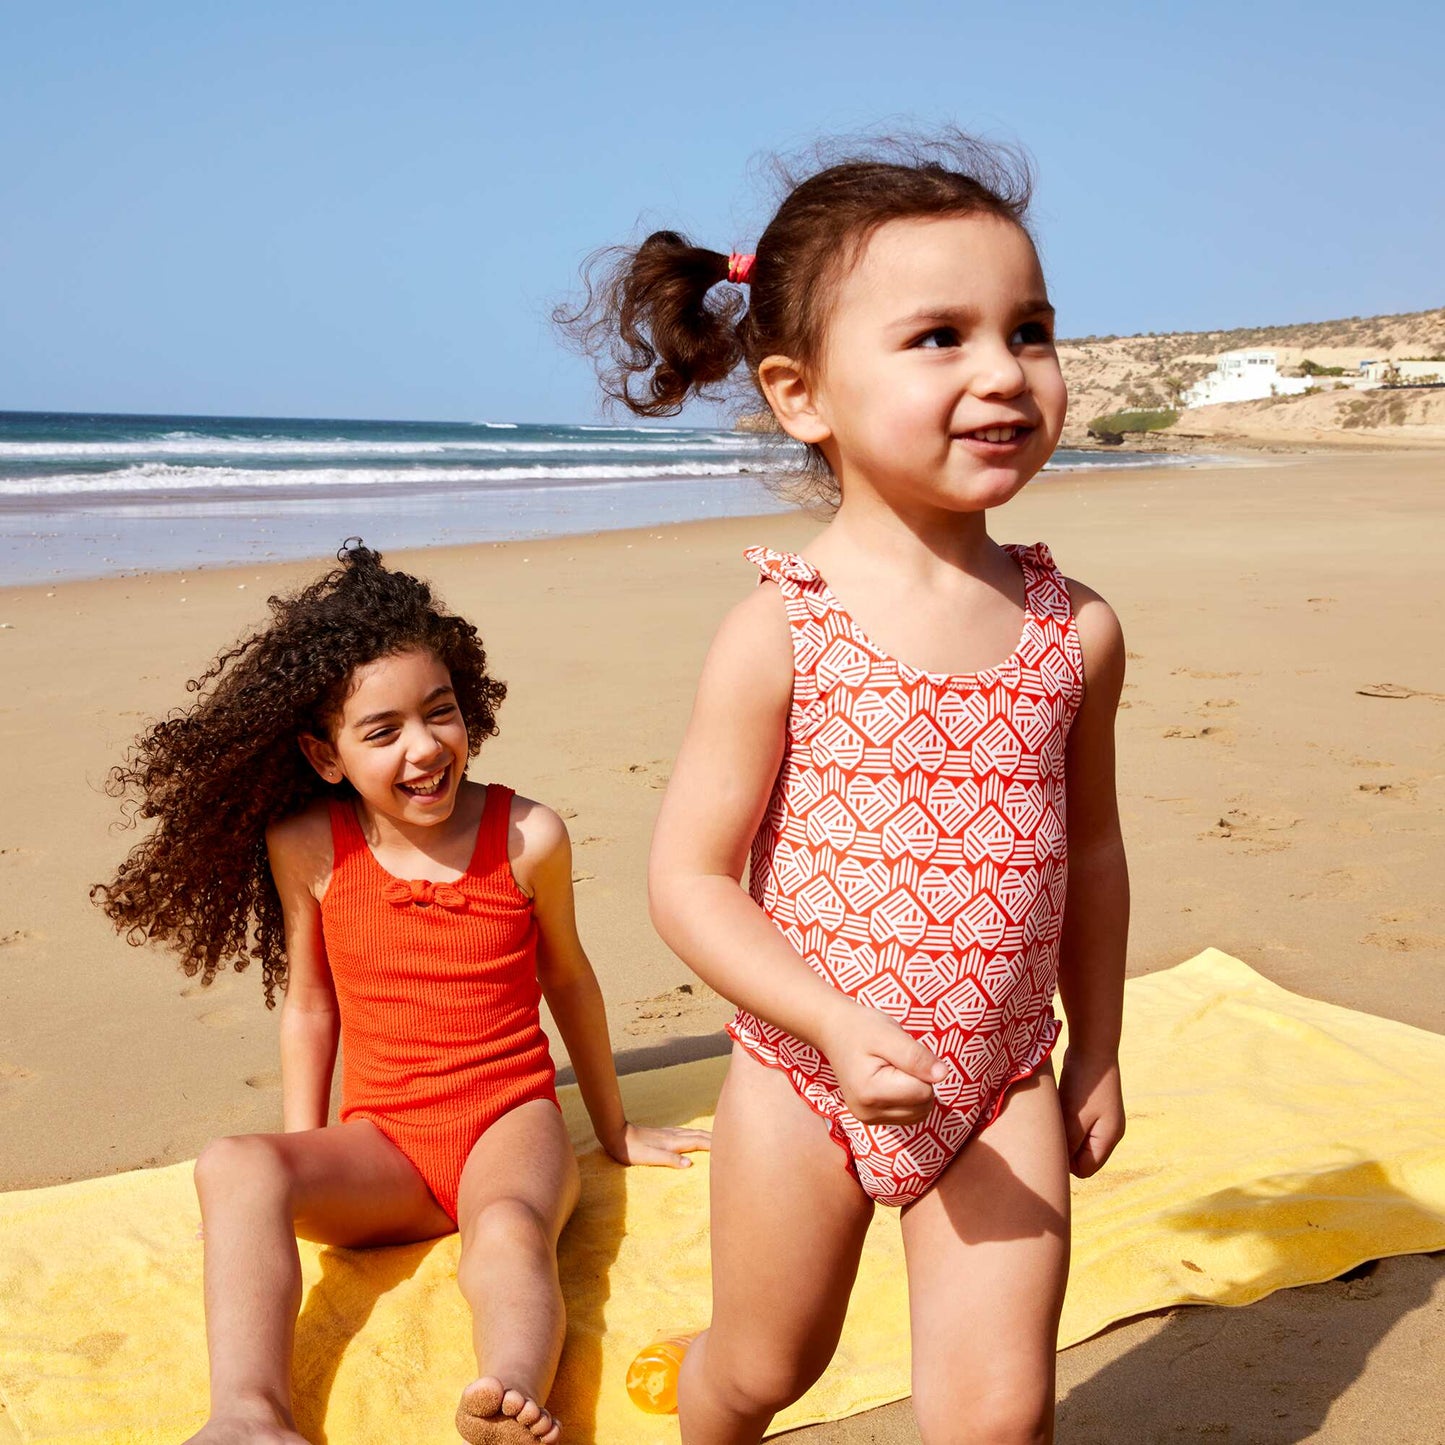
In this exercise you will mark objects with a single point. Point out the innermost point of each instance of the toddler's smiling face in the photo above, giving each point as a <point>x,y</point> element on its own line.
<point>939,384</point>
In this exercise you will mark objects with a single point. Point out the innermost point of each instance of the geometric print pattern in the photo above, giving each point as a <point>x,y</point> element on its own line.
<point>913,852</point>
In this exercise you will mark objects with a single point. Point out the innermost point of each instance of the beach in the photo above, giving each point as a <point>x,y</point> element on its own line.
<point>1281,787</point>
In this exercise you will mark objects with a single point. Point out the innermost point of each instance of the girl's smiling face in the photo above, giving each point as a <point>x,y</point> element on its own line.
<point>400,740</point>
<point>938,385</point>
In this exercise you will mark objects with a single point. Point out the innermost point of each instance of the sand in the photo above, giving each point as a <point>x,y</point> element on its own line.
<point>1272,809</point>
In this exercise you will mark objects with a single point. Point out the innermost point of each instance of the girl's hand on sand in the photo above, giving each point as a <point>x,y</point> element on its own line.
<point>1093,1107</point>
<point>884,1074</point>
<point>667,1147</point>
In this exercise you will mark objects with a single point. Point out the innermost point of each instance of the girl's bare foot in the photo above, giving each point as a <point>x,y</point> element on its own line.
<point>492,1414</point>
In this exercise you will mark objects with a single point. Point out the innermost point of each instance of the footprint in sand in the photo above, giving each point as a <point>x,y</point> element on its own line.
<point>1397,690</point>
<point>1404,942</point>
<point>1401,791</point>
<point>1202,674</point>
<point>220,1018</point>
<point>1351,884</point>
<point>1239,826</point>
<point>269,1080</point>
<point>1353,827</point>
<point>1204,732</point>
<point>14,936</point>
<point>673,1004</point>
<point>655,772</point>
<point>1360,1288</point>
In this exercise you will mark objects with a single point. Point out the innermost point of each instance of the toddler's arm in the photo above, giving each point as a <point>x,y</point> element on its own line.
<point>570,987</point>
<point>1096,912</point>
<point>719,790</point>
<point>299,850</point>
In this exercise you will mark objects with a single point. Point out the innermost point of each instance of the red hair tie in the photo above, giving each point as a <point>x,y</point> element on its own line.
<point>740,269</point>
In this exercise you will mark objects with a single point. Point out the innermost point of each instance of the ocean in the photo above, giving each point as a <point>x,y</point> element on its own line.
<point>88,495</point>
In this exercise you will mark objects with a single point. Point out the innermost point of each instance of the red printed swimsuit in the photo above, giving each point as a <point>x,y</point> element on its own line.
<point>913,852</point>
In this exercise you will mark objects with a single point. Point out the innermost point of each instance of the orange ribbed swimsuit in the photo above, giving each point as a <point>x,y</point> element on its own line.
<point>438,993</point>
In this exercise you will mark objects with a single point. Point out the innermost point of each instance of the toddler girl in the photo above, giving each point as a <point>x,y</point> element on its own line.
<point>891,731</point>
<point>313,811</point>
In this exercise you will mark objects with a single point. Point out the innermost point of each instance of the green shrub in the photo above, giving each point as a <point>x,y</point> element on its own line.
<point>1124,422</point>
<point>1313,368</point>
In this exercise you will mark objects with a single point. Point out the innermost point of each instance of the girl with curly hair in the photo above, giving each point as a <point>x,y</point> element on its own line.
<point>312,811</point>
<point>888,736</point>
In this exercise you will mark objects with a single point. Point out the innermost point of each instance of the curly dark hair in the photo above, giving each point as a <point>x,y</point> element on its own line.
<point>216,775</point>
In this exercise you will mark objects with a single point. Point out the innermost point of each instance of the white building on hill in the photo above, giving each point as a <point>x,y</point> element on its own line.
<point>1243,376</point>
<point>1422,373</point>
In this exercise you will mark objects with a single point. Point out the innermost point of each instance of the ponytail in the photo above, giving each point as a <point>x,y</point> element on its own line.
<point>658,327</point>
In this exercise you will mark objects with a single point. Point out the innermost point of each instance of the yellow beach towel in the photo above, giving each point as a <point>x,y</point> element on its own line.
<point>1272,1141</point>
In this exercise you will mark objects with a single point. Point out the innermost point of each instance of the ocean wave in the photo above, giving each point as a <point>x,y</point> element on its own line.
<point>173,444</point>
<point>163,477</point>
<point>1111,461</point>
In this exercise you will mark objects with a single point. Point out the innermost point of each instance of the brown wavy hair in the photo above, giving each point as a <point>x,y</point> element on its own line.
<point>216,775</point>
<point>661,333</point>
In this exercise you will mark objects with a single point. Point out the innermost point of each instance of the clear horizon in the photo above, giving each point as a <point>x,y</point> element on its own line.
<point>348,212</point>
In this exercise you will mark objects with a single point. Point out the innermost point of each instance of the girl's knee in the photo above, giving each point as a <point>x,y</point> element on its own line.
<point>503,1229</point>
<point>1013,1412</point>
<point>510,1231</point>
<point>506,1223</point>
<point>753,1379</point>
<point>241,1164</point>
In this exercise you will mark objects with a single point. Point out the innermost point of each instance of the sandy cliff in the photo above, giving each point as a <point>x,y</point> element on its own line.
<point>1110,373</point>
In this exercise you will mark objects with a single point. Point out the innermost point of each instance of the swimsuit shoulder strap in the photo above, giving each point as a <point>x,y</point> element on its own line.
<point>490,860</point>
<point>808,603</point>
<point>1050,612</point>
<point>346,835</point>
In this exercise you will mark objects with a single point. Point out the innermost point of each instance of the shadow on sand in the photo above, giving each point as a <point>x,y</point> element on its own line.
<point>1267,1373</point>
<point>683,1050</point>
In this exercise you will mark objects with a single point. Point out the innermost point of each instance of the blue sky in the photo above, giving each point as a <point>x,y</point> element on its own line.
<point>368,209</point>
